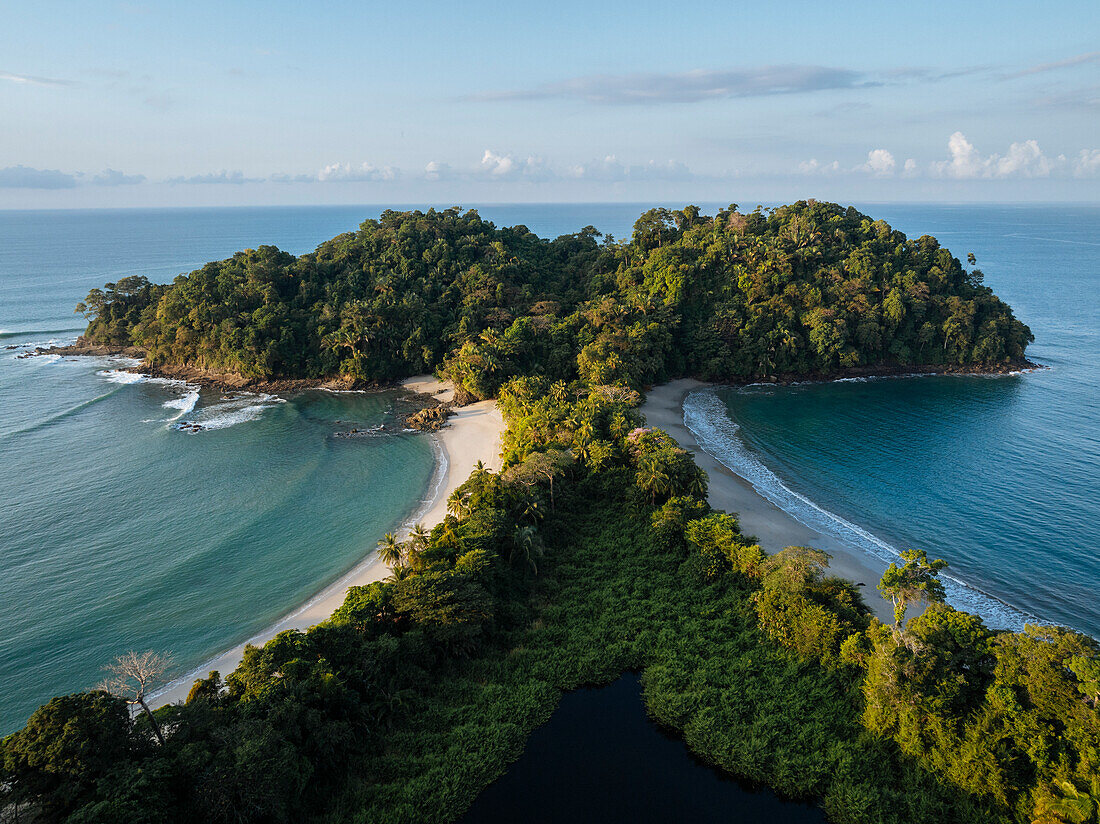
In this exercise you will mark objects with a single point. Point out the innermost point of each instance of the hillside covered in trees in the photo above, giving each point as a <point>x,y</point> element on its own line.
<point>593,550</point>
<point>806,289</point>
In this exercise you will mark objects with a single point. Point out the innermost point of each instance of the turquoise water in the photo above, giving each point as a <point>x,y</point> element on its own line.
<point>998,475</point>
<point>118,530</point>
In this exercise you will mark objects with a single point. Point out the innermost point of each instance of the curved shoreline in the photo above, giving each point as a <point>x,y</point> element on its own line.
<point>772,527</point>
<point>473,434</point>
<point>776,526</point>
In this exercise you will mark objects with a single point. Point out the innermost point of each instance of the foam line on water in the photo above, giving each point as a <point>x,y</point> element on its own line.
<point>230,411</point>
<point>435,487</point>
<point>65,413</point>
<point>708,419</point>
<point>7,333</point>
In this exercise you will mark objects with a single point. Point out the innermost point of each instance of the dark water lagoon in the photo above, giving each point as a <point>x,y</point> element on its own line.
<point>600,759</point>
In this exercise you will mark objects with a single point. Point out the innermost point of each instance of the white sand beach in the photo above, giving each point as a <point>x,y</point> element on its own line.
<point>473,434</point>
<point>773,527</point>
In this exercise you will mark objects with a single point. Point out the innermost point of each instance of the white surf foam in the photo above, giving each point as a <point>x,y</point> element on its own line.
<point>121,376</point>
<point>185,404</point>
<point>707,417</point>
<point>231,411</point>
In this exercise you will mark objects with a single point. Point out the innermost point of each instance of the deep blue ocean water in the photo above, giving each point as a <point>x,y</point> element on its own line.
<point>118,530</point>
<point>1000,476</point>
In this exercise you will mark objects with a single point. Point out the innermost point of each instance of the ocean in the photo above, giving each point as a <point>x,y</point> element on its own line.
<point>1000,476</point>
<point>119,529</point>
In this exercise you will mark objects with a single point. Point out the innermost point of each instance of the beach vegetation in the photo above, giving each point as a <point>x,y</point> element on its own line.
<point>593,551</point>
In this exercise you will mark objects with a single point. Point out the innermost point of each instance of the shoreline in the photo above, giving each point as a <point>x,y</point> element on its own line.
<point>472,433</point>
<point>772,527</point>
<point>231,381</point>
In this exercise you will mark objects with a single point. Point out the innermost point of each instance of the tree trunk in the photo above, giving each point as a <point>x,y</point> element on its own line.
<point>152,720</point>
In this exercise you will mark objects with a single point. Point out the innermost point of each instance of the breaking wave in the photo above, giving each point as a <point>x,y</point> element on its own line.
<point>708,419</point>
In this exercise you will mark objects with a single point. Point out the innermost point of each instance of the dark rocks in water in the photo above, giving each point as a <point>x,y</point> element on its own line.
<point>85,347</point>
<point>190,426</point>
<point>429,418</point>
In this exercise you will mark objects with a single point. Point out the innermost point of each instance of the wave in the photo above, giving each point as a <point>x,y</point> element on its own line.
<point>62,415</point>
<point>435,487</point>
<point>121,376</point>
<point>185,404</point>
<point>5,334</point>
<point>231,411</point>
<point>708,419</point>
<point>1053,239</point>
<point>371,559</point>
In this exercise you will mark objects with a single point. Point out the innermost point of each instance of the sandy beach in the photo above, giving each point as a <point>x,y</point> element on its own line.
<point>473,434</point>
<point>773,527</point>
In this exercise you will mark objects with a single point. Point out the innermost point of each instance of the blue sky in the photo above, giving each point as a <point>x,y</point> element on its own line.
<point>146,103</point>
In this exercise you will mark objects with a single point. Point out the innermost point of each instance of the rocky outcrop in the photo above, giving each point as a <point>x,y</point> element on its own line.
<point>83,346</point>
<point>430,418</point>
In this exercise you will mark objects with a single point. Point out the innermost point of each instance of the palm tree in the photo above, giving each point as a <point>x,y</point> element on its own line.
<point>399,573</point>
<point>526,542</point>
<point>390,551</point>
<point>1070,804</point>
<point>459,505</point>
<point>532,510</point>
<point>652,477</point>
<point>419,537</point>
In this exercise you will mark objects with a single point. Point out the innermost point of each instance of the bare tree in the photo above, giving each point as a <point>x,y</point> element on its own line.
<point>130,677</point>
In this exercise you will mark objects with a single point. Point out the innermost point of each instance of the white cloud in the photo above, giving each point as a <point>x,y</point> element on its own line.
<point>611,170</point>
<point>24,177</point>
<point>498,165</point>
<point>285,178</point>
<point>965,161</point>
<point>880,163</point>
<point>1024,159</point>
<point>113,177</point>
<point>813,167</point>
<point>31,80</point>
<point>215,178</point>
<point>436,170</point>
<point>507,167</point>
<point>347,172</point>
<point>1078,60</point>
<point>910,168</point>
<point>1087,164</point>
<point>693,86</point>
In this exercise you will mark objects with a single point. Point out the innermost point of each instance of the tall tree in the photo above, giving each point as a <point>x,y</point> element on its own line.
<point>915,582</point>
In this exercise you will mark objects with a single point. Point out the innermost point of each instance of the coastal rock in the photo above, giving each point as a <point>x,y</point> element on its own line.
<point>430,418</point>
<point>83,346</point>
<point>463,396</point>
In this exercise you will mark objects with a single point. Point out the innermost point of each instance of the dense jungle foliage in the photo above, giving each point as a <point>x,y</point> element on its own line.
<point>594,551</point>
<point>806,289</point>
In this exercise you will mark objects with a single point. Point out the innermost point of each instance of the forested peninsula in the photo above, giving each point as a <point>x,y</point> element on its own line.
<point>810,289</point>
<point>593,551</point>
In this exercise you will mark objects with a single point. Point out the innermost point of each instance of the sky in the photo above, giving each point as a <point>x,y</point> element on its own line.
<point>243,103</point>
